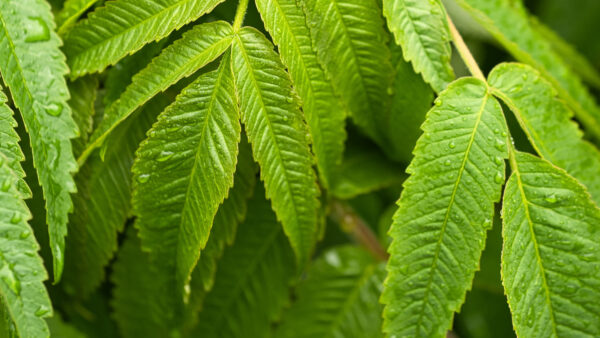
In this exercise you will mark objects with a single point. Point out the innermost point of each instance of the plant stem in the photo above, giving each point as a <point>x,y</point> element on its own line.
<point>465,53</point>
<point>353,225</point>
<point>240,13</point>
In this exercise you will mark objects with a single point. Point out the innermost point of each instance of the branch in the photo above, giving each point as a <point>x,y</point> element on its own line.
<point>465,53</point>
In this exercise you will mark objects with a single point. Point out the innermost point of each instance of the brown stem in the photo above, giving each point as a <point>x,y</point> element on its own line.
<point>353,225</point>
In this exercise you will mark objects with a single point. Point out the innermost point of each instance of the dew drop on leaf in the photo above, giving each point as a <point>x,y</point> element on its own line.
<point>499,160</point>
<point>8,277</point>
<point>448,162</point>
<point>24,234</point>
<point>6,185</point>
<point>499,178</point>
<point>499,144</point>
<point>390,90</point>
<point>143,178</point>
<point>16,218</point>
<point>165,155</point>
<point>289,100</point>
<point>551,198</point>
<point>42,310</point>
<point>451,145</point>
<point>438,102</point>
<point>54,109</point>
<point>36,30</point>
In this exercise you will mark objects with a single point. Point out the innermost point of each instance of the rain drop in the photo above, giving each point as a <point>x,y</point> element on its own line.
<point>551,198</point>
<point>487,222</point>
<point>499,160</point>
<point>165,155</point>
<point>36,30</point>
<point>451,145</point>
<point>143,178</point>
<point>438,102</point>
<point>447,163</point>
<point>24,234</point>
<point>8,277</point>
<point>390,90</point>
<point>16,218</point>
<point>289,100</point>
<point>499,178</point>
<point>54,109</point>
<point>499,144</point>
<point>6,185</point>
<point>42,310</point>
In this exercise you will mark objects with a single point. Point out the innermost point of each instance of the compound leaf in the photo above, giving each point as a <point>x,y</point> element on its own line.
<point>33,68</point>
<point>124,26</point>
<point>421,29</point>
<point>551,252</point>
<point>445,209</point>
<point>547,122</point>
<point>277,133</point>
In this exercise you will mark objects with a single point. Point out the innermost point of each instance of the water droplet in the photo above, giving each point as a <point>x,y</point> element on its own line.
<point>173,129</point>
<point>390,90</point>
<point>8,277</point>
<point>54,109</point>
<point>289,99</point>
<point>499,160</point>
<point>165,155</point>
<point>448,162</point>
<point>24,234</point>
<point>499,178</point>
<point>452,145</point>
<point>143,178</point>
<point>504,134</point>
<point>487,222</point>
<point>285,118</point>
<point>551,198</point>
<point>438,102</point>
<point>6,184</point>
<point>16,218</point>
<point>42,310</point>
<point>499,144</point>
<point>496,131</point>
<point>36,30</point>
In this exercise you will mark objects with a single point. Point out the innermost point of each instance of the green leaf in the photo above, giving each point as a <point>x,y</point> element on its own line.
<point>230,214</point>
<point>190,156</point>
<point>277,133</point>
<point>351,44</point>
<point>445,210</point>
<point>421,29</point>
<point>286,22</point>
<point>576,62</point>
<point>83,96</point>
<point>9,145</point>
<point>70,13</point>
<point>124,26</point>
<point>365,170</point>
<point>22,272</point>
<point>547,122</point>
<point>137,281</point>
<point>194,50</point>
<point>339,298</point>
<point>104,185</point>
<point>551,252</point>
<point>251,285</point>
<point>411,100</point>
<point>33,68</point>
<point>508,22</point>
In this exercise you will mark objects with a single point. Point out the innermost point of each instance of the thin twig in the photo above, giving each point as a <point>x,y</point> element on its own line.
<point>464,51</point>
<point>353,225</point>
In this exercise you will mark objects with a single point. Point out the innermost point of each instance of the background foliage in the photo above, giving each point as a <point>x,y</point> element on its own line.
<point>299,168</point>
